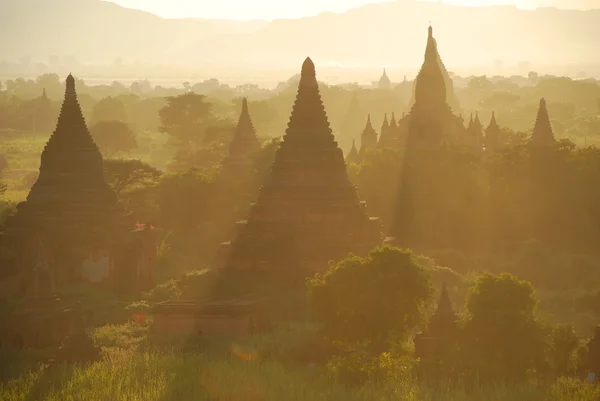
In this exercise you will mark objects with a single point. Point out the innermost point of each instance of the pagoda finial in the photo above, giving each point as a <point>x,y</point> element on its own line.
<point>70,87</point>
<point>308,74</point>
<point>245,106</point>
<point>493,119</point>
<point>430,31</point>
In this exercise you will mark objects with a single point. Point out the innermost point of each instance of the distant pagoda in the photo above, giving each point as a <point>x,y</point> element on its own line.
<point>384,81</point>
<point>542,134</point>
<point>70,207</point>
<point>493,134</point>
<point>431,121</point>
<point>353,156</point>
<point>368,138</point>
<point>243,144</point>
<point>307,212</point>
<point>451,98</point>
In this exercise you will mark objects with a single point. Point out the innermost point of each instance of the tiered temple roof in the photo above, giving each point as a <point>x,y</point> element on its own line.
<point>492,135</point>
<point>368,138</point>
<point>384,81</point>
<point>307,211</point>
<point>542,131</point>
<point>353,156</point>
<point>243,144</point>
<point>70,205</point>
<point>431,119</point>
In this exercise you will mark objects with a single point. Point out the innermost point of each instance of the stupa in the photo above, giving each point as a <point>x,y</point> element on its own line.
<point>70,208</point>
<point>307,211</point>
<point>243,144</point>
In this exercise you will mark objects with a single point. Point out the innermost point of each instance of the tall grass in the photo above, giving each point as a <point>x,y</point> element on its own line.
<point>194,376</point>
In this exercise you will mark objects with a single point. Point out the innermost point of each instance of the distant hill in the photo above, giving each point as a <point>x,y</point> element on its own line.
<point>387,33</point>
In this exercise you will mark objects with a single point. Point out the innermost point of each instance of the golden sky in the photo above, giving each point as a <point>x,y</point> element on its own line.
<point>273,9</point>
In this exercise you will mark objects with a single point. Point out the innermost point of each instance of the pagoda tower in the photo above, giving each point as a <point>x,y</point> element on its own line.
<point>384,81</point>
<point>70,208</point>
<point>243,144</point>
<point>492,135</point>
<point>451,97</point>
<point>431,124</point>
<point>475,133</point>
<point>435,342</point>
<point>353,156</point>
<point>307,212</point>
<point>431,118</point>
<point>368,138</point>
<point>542,134</point>
<point>384,131</point>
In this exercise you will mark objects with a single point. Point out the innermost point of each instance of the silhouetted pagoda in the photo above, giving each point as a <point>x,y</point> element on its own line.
<point>353,156</point>
<point>492,138</point>
<point>385,125</point>
<point>384,81</point>
<point>451,98</point>
<point>307,212</point>
<point>475,133</point>
<point>542,131</point>
<point>431,119</point>
<point>437,341</point>
<point>71,206</point>
<point>368,138</point>
<point>243,144</point>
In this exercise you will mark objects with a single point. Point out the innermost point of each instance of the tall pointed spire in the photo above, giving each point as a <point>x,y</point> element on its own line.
<point>308,179</point>
<point>384,81</point>
<point>71,188</point>
<point>353,155</point>
<point>542,131</point>
<point>430,85</point>
<point>243,144</point>
<point>444,317</point>
<point>492,135</point>
<point>368,138</point>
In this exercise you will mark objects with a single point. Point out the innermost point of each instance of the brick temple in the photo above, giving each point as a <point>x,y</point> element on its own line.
<point>72,225</point>
<point>242,146</point>
<point>307,212</point>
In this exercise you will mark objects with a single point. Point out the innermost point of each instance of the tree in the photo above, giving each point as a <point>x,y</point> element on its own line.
<point>109,109</point>
<point>562,348</point>
<point>371,301</point>
<point>124,175</point>
<point>502,338</point>
<point>186,117</point>
<point>183,199</point>
<point>135,183</point>
<point>113,137</point>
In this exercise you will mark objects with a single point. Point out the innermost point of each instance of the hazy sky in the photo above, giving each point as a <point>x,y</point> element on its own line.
<point>272,9</point>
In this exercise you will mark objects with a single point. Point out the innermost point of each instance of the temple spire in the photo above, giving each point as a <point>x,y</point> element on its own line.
<point>542,131</point>
<point>368,138</point>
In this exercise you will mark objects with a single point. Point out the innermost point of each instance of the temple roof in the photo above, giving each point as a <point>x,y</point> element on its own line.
<point>542,131</point>
<point>244,140</point>
<point>430,84</point>
<point>71,187</point>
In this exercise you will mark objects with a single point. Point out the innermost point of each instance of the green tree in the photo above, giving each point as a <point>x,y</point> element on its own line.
<point>183,199</point>
<point>563,345</point>
<point>372,301</point>
<point>109,109</point>
<point>503,340</point>
<point>113,137</point>
<point>186,117</point>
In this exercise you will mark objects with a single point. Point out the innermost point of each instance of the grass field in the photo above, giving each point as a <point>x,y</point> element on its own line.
<point>23,150</point>
<point>133,368</point>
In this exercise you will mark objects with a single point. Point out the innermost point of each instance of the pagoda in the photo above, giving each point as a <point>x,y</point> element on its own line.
<point>492,138</point>
<point>243,144</point>
<point>353,156</point>
<point>438,340</point>
<point>451,98</point>
<point>70,208</point>
<point>368,138</point>
<point>384,81</point>
<point>307,212</point>
<point>475,133</point>
<point>431,120</point>
<point>542,134</point>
